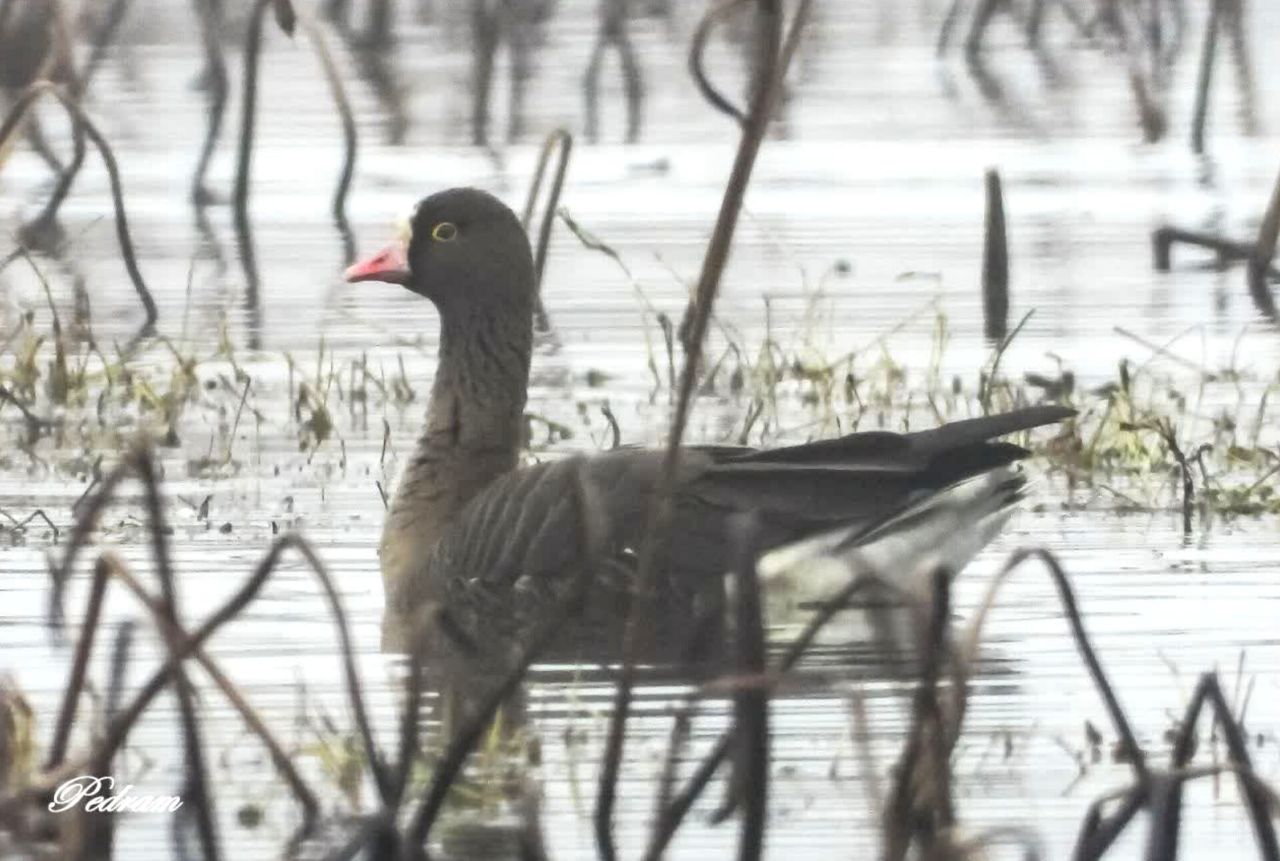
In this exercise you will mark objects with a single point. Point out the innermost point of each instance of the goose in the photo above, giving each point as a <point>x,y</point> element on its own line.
<point>472,530</point>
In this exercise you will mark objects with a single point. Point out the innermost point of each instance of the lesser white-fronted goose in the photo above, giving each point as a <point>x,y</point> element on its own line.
<point>494,542</point>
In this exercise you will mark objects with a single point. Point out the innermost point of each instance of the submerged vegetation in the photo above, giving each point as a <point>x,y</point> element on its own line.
<point>1162,434</point>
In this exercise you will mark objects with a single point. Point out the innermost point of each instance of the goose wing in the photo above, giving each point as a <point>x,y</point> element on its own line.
<point>514,548</point>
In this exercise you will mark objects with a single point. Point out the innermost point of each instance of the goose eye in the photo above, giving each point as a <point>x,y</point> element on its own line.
<point>444,232</point>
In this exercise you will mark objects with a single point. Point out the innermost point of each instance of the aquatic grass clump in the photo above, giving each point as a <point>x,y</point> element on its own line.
<point>17,737</point>
<point>66,392</point>
<point>1143,439</point>
<point>70,394</point>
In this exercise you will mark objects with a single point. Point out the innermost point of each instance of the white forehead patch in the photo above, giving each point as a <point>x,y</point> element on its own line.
<point>404,230</point>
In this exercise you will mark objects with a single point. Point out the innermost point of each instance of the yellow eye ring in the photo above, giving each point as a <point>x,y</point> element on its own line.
<point>445,231</point>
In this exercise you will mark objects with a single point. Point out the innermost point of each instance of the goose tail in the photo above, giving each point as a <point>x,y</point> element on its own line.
<point>944,529</point>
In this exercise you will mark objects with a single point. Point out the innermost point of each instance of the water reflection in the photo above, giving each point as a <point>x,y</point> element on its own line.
<point>612,33</point>
<point>213,80</point>
<point>33,45</point>
<point>509,757</point>
<point>252,282</point>
<point>376,64</point>
<point>495,23</point>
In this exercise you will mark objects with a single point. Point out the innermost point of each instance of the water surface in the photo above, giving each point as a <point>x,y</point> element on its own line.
<point>862,230</point>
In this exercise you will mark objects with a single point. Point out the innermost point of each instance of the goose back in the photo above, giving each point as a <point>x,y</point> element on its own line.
<point>511,552</point>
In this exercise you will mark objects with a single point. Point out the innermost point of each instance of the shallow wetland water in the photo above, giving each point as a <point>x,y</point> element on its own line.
<point>862,232</point>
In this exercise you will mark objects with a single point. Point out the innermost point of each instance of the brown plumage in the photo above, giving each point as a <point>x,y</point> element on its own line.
<point>496,544</point>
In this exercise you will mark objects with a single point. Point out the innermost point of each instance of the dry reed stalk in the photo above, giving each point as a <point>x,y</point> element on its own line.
<point>765,94</point>
<point>559,141</point>
<point>139,463</point>
<point>995,263</point>
<point>920,810</point>
<point>175,634</point>
<point>1066,596</point>
<point>673,814</point>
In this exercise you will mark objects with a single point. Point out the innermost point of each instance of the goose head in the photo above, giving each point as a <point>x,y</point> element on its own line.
<point>464,250</point>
